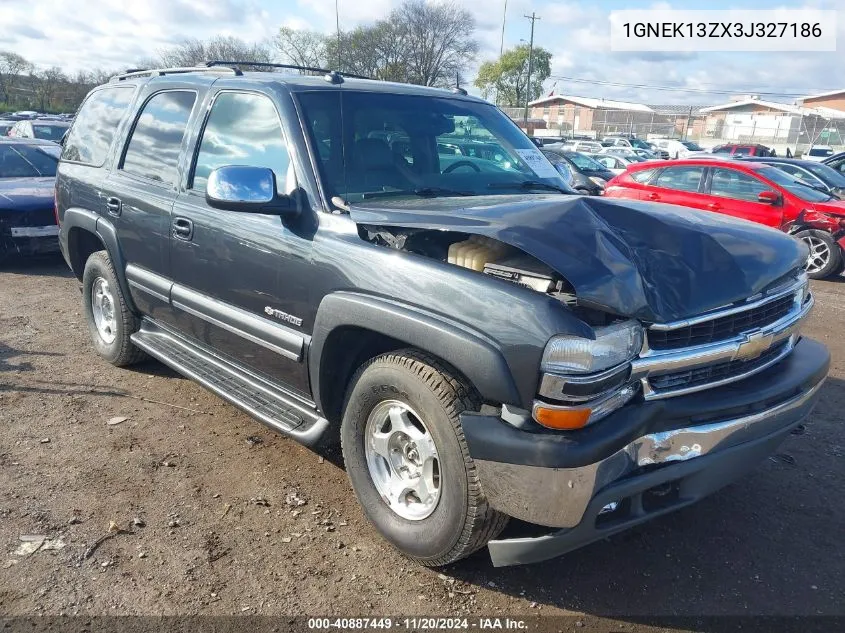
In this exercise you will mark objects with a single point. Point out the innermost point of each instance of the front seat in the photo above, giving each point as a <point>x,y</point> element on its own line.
<point>374,167</point>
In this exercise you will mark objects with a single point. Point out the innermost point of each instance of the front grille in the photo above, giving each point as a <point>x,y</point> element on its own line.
<point>722,328</point>
<point>714,373</point>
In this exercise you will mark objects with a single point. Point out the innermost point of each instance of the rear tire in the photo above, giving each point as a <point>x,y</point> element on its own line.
<point>109,319</point>
<point>825,258</point>
<point>427,393</point>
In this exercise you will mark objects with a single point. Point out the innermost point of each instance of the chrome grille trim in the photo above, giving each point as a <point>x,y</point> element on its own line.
<point>792,288</point>
<point>737,348</point>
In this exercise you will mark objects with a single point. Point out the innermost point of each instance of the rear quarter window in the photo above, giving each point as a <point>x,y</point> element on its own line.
<point>642,176</point>
<point>91,136</point>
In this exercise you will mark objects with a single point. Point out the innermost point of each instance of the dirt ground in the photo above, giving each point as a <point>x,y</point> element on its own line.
<point>219,530</point>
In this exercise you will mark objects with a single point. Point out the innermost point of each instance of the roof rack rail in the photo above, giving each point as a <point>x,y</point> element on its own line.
<point>331,75</point>
<point>158,72</point>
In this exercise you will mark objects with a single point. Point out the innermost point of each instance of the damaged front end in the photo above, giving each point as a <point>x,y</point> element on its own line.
<point>654,263</point>
<point>695,371</point>
<point>669,293</point>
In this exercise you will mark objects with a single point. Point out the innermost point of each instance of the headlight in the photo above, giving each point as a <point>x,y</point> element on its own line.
<point>614,344</point>
<point>601,182</point>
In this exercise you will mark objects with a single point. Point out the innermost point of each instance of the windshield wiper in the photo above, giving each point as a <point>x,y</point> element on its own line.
<point>526,184</point>
<point>423,192</point>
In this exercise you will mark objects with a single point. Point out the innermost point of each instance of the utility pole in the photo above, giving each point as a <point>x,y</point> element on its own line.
<point>502,49</point>
<point>533,17</point>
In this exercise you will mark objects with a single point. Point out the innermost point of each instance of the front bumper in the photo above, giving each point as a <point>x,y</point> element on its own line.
<point>649,458</point>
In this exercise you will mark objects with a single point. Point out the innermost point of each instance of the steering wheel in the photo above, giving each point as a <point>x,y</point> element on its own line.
<point>461,163</point>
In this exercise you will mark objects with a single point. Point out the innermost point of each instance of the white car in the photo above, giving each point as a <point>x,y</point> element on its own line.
<point>584,146</point>
<point>818,153</point>
<point>614,162</point>
<point>629,152</point>
<point>676,147</point>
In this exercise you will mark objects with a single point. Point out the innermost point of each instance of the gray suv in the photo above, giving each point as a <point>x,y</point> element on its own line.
<point>482,345</point>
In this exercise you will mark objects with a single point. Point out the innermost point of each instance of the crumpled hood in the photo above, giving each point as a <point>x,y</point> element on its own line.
<point>654,262</point>
<point>26,194</point>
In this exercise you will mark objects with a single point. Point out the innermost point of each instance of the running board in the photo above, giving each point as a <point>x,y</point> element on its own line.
<point>258,398</point>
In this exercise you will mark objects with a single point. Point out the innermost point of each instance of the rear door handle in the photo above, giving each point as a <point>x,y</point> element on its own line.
<point>714,206</point>
<point>113,206</point>
<point>183,229</point>
<point>653,196</point>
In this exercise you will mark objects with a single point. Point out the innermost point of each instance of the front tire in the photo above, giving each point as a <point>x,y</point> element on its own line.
<point>407,459</point>
<point>825,258</point>
<point>109,319</point>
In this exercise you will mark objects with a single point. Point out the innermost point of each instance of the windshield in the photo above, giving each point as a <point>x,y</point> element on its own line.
<point>820,151</point>
<point>639,143</point>
<point>584,163</point>
<point>692,146</point>
<point>377,145</point>
<point>25,161</point>
<point>793,186</point>
<point>828,174</point>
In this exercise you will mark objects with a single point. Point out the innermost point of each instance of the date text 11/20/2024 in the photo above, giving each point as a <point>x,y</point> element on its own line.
<point>416,624</point>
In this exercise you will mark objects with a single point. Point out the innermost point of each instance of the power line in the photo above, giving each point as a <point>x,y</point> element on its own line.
<point>681,89</point>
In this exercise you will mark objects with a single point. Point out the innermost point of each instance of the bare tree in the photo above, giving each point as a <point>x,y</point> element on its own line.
<point>418,42</point>
<point>302,48</point>
<point>12,66</point>
<point>439,40</point>
<point>193,52</point>
<point>47,84</point>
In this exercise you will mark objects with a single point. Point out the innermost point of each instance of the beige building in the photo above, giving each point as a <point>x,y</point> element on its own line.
<point>570,113</point>
<point>834,100</point>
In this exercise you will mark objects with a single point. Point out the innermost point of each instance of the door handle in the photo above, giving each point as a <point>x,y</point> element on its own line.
<point>113,206</point>
<point>653,196</point>
<point>714,206</point>
<point>183,229</point>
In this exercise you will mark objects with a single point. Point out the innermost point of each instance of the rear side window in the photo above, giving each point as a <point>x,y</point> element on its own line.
<point>153,150</point>
<point>680,178</point>
<point>729,183</point>
<point>643,175</point>
<point>93,130</point>
<point>242,129</point>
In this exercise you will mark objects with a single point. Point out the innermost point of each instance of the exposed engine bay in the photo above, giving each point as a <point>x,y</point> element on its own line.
<point>475,252</point>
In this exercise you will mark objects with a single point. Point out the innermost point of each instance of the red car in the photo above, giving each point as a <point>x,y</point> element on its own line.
<point>740,149</point>
<point>748,190</point>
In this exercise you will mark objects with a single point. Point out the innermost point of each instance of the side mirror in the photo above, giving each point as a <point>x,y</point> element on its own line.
<point>768,197</point>
<point>247,190</point>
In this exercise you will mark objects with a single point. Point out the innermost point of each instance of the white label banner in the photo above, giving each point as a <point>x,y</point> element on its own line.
<point>774,30</point>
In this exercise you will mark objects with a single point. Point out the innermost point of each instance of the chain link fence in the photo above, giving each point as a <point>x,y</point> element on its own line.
<point>779,130</point>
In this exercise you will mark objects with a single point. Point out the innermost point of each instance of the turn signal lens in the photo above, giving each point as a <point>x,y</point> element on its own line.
<point>562,419</point>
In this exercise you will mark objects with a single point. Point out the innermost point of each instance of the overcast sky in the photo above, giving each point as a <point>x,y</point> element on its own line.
<point>77,34</point>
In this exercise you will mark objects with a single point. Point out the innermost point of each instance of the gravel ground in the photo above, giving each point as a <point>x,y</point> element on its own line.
<point>217,515</point>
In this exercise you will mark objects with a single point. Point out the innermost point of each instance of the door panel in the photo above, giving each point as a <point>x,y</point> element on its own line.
<point>142,191</point>
<point>240,279</point>
<point>734,193</point>
<point>677,185</point>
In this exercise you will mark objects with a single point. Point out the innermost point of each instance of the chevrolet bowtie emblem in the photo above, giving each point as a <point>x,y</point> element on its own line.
<point>754,345</point>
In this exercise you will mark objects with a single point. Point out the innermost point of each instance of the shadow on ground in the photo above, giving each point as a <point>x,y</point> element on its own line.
<point>41,265</point>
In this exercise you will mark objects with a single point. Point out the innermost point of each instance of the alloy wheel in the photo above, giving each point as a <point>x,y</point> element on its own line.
<point>402,460</point>
<point>103,310</point>
<point>819,255</point>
